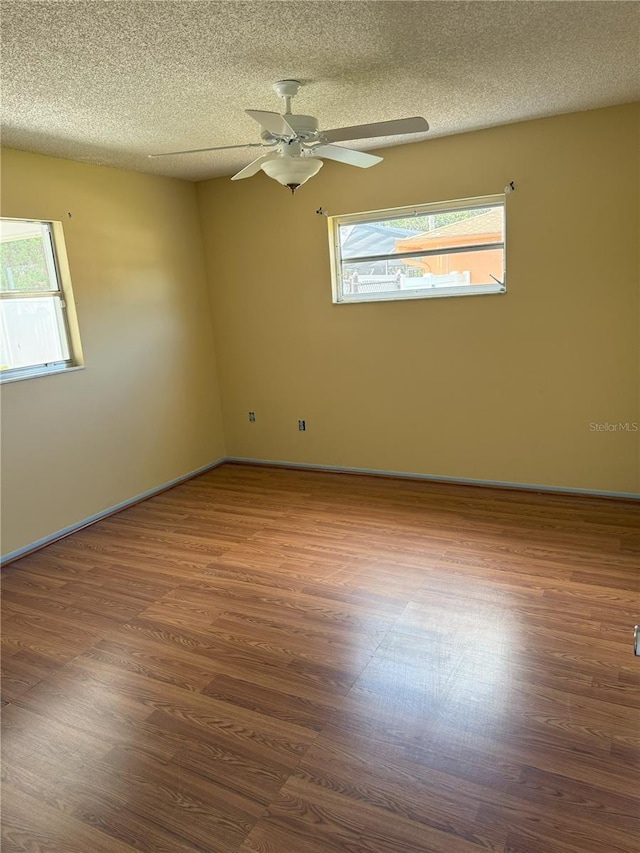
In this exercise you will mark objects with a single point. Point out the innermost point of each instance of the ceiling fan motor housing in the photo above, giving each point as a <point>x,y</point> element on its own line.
<point>306,128</point>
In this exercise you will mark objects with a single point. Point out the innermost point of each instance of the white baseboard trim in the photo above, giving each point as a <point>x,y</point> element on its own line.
<point>244,460</point>
<point>72,528</point>
<point>462,481</point>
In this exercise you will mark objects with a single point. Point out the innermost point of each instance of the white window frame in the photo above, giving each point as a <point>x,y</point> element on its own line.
<point>58,268</point>
<point>334,223</point>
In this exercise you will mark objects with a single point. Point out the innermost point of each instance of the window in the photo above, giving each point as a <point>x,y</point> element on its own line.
<point>38,332</point>
<point>453,248</point>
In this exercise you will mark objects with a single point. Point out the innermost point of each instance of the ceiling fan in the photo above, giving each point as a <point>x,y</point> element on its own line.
<point>296,145</point>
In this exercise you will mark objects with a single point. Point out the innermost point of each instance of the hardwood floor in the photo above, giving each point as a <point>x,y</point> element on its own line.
<point>272,661</point>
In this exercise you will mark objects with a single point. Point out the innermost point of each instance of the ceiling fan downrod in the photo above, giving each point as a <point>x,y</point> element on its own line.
<point>287,89</point>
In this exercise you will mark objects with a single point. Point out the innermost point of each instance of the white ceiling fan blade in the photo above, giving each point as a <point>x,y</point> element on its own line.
<point>397,127</point>
<point>217,148</point>
<point>346,155</point>
<point>255,166</point>
<point>272,122</point>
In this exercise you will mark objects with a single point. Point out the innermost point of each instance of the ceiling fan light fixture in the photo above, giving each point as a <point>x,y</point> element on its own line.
<point>292,172</point>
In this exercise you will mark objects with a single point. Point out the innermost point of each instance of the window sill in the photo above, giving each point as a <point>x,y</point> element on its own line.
<point>431,293</point>
<point>5,380</point>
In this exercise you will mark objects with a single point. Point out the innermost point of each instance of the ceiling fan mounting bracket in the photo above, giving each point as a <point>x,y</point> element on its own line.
<point>287,88</point>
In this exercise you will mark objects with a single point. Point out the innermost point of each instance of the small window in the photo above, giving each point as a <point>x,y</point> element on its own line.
<point>36,309</point>
<point>453,248</point>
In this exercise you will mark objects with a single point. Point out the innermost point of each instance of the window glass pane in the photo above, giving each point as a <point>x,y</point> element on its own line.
<point>449,269</point>
<point>371,238</point>
<point>32,332</point>
<point>26,261</point>
<point>410,233</point>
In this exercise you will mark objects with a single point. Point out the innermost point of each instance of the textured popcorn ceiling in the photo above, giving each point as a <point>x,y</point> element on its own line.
<point>110,82</point>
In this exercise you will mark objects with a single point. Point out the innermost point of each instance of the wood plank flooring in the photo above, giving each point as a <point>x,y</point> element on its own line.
<point>273,661</point>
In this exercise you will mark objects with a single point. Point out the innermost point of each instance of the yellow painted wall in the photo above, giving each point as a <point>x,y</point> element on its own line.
<point>146,409</point>
<point>493,388</point>
<point>488,387</point>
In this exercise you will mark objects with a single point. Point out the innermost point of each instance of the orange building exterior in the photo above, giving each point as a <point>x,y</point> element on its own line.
<point>478,230</point>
